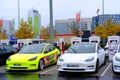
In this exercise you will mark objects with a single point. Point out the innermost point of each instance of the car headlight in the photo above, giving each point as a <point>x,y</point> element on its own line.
<point>89,59</point>
<point>60,59</point>
<point>32,59</point>
<point>117,58</point>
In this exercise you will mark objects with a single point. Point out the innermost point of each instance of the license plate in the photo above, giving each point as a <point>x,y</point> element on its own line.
<point>72,65</point>
<point>17,64</point>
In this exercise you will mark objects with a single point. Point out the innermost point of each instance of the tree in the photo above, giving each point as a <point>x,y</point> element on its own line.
<point>24,32</point>
<point>45,33</point>
<point>107,29</point>
<point>76,30</point>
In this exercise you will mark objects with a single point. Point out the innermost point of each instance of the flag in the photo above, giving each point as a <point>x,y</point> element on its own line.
<point>78,17</point>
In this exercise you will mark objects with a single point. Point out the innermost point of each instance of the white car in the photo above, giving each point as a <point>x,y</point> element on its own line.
<point>81,57</point>
<point>116,61</point>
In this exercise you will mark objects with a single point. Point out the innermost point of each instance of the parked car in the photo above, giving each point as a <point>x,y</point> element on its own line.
<point>6,51</point>
<point>33,57</point>
<point>15,46</point>
<point>82,57</point>
<point>116,61</point>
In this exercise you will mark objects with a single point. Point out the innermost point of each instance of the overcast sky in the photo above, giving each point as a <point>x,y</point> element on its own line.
<point>62,9</point>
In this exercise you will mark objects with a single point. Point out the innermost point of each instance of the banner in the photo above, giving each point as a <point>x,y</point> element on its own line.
<point>21,21</point>
<point>30,21</point>
<point>1,23</point>
<point>113,42</point>
<point>78,17</point>
<point>36,31</point>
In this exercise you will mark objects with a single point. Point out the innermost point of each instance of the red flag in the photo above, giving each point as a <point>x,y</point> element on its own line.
<point>78,17</point>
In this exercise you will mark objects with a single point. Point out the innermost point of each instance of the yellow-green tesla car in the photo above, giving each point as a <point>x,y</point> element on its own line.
<point>33,57</point>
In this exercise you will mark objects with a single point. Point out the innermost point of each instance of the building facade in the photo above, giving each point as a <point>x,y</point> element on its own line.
<point>63,26</point>
<point>101,19</point>
<point>8,28</point>
<point>34,19</point>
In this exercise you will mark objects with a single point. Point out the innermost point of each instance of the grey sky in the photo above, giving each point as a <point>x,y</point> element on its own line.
<point>62,9</point>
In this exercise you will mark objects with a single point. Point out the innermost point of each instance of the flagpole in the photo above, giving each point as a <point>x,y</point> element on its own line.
<point>103,10</point>
<point>103,6</point>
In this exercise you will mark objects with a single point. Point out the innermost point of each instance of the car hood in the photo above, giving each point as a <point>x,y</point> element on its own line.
<point>23,57</point>
<point>77,57</point>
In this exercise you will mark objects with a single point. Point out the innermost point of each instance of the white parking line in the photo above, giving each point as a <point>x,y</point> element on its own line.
<point>47,71</point>
<point>106,70</point>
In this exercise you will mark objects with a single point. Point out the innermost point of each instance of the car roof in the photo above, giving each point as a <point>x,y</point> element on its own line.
<point>42,44</point>
<point>87,43</point>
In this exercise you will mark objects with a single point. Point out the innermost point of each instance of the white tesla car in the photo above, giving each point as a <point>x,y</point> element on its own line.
<point>81,57</point>
<point>116,61</point>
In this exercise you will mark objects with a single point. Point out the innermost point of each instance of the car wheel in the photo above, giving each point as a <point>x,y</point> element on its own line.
<point>41,65</point>
<point>97,65</point>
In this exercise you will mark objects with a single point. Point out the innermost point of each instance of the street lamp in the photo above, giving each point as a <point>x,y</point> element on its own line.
<point>103,6</point>
<point>51,22</point>
<point>18,14</point>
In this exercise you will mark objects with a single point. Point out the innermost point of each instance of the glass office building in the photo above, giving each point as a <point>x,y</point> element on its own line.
<point>100,19</point>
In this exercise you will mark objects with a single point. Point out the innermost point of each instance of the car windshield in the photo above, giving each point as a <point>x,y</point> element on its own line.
<point>30,49</point>
<point>82,48</point>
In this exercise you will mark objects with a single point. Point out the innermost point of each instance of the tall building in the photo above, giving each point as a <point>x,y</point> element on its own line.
<point>100,19</point>
<point>8,28</point>
<point>63,26</point>
<point>34,19</point>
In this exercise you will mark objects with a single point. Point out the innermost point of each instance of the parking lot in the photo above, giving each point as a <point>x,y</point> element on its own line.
<point>105,70</point>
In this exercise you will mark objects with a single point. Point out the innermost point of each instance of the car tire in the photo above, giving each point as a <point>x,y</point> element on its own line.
<point>97,66</point>
<point>41,65</point>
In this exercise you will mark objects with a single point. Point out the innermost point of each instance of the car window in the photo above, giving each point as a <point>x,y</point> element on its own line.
<point>49,48</point>
<point>30,49</point>
<point>82,48</point>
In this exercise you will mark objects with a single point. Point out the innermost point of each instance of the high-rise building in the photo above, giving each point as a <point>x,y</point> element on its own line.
<point>101,19</point>
<point>63,26</point>
<point>8,28</point>
<point>34,19</point>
